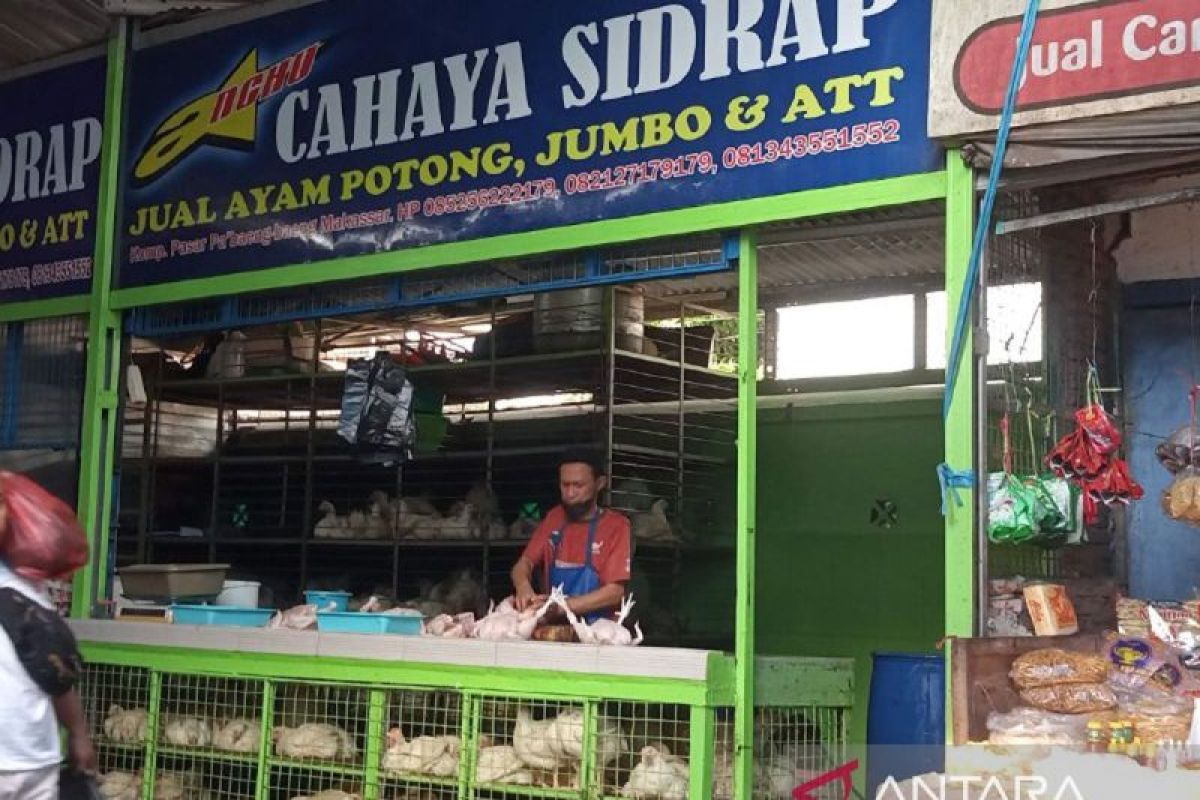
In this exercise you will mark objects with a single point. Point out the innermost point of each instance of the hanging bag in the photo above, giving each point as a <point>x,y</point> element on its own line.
<point>42,539</point>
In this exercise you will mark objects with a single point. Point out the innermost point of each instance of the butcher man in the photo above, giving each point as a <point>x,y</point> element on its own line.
<point>579,546</point>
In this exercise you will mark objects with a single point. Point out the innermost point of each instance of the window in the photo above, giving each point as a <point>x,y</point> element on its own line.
<point>857,337</point>
<point>1014,318</point>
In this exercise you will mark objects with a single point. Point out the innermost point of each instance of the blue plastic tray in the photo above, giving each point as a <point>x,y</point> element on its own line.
<point>340,600</point>
<point>220,615</point>
<point>357,622</point>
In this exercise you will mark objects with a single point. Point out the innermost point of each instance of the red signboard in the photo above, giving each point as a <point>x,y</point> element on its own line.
<point>1091,52</point>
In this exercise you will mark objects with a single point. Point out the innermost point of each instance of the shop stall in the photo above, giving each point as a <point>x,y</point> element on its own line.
<point>551,241</point>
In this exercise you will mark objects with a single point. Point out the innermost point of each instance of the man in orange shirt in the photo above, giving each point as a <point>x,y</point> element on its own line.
<point>579,546</point>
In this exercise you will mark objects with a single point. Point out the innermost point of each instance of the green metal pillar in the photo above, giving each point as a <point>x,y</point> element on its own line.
<point>747,447</point>
<point>960,542</point>
<point>100,399</point>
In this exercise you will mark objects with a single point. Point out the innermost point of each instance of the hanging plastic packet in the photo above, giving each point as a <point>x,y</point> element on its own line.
<point>1010,510</point>
<point>377,409</point>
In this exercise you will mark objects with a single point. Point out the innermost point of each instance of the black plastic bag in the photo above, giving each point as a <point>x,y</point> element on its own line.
<point>43,642</point>
<point>75,785</point>
<point>377,416</point>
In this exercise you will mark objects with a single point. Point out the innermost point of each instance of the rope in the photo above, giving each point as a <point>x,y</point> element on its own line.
<point>983,228</point>
<point>951,481</point>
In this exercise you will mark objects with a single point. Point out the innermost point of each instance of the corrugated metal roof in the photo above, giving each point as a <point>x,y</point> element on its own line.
<point>904,242</point>
<point>33,30</point>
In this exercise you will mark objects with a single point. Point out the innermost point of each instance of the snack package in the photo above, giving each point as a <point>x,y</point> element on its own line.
<point>1159,717</point>
<point>1031,727</point>
<point>1143,666</point>
<point>1181,500</point>
<point>1051,610</point>
<point>1053,667</point>
<point>1071,698</point>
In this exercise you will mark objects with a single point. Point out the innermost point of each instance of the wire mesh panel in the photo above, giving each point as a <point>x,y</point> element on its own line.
<point>792,746</point>
<point>116,704</point>
<point>642,750</point>
<point>423,745</point>
<point>320,725</point>
<point>298,784</point>
<point>529,746</point>
<point>221,716</point>
<point>186,777</point>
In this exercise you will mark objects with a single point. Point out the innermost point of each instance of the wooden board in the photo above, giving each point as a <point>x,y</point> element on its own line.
<point>979,683</point>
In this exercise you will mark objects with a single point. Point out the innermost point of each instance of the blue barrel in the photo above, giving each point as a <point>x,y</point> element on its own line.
<point>906,721</point>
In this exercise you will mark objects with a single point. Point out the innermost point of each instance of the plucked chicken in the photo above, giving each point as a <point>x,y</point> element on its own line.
<point>422,755</point>
<point>120,786</point>
<point>611,743</point>
<point>505,624</point>
<point>535,742</point>
<point>314,740</point>
<point>602,631</point>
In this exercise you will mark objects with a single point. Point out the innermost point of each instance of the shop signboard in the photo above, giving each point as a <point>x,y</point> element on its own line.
<point>361,126</point>
<point>1087,59</point>
<point>50,137</point>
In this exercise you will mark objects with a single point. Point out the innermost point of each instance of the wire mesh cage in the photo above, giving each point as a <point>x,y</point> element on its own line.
<point>424,742</point>
<point>182,776</point>
<point>320,725</point>
<point>528,746</point>
<point>116,702</point>
<point>203,716</point>
<point>298,784</point>
<point>642,749</point>
<point>792,746</point>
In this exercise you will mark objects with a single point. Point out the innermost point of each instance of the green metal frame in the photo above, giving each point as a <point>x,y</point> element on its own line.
<point>45,309</point>
<point>101,402</point>
<point>960,450</point>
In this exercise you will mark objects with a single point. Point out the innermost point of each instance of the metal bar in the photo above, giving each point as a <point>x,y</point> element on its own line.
<point>44,309</point>
<point>747,426</point>
<point>717,217</point>
<point>262,788</point>
<point>702,747</point>
<point>154,717</point>
<point>1189,195</point>
<point>100,402</point>
<point>959,434</point>
<point>979,412</point>
<point>470,727</point>
<point>591,778</point>
<point>376,713</point>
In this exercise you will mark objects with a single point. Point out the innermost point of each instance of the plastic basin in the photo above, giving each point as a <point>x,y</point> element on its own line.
<point>328,601</point>
<point>220,615</point>
<point>167,582</point>
<point>357,622</point>
<point>242,594</point>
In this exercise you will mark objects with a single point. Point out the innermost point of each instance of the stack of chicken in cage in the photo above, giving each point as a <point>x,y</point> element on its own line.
<point>318,739</point>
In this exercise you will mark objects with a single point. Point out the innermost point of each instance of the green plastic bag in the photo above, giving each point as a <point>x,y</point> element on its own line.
<point>1011,510</point>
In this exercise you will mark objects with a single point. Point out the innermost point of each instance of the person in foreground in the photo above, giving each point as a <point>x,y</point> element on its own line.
<point>579,545</point>
<point>39,665</point>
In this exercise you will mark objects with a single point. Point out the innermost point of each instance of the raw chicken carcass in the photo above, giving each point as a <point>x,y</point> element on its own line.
<point>602,631</point>
<point>238,736</point>
<point>296,618</point>
<point>330,525</point>
<point>445,626</point>
<point>120,786</point>
<point>505,624</point>
<point>658,776</point>
<point>314,740</point>
<point>187,732</point>
<point>500,764</point>
<point>127,727</point>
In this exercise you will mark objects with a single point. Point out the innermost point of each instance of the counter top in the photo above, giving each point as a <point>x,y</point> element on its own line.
<point>643,662</point>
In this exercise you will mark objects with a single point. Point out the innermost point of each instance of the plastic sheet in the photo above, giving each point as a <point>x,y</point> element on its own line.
<point>42,539</point>
<point>377,413</point>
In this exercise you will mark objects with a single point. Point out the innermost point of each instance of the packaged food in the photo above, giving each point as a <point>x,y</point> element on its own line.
<point>1053,667</point>
<point>1160,717</point>
<point>1071,698</point>
<point>1181,500</point>
<point>1143,664</point>
<point>1051,610</point>
<point>1180,450</point>
<point>1030,726</point>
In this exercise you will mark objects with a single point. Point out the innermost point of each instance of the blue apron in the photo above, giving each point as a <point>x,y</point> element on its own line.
<point>575,581</point>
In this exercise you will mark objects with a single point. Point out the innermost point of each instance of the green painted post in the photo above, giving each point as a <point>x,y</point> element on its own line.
<point>376,735</point>
<point>266,743</point>
<point>469,752</point>
<point>591,774</point>
<point>701,747</point>
<point>100,395</point>
<point>747,426</point>
<point>960,423</point>
<point>150,763</point>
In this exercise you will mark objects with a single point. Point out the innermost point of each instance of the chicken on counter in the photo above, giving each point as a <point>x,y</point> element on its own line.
<point>237,735</point>
<point>296,618</point>
<point>505,624</point>
<point>444,626</point>
<point>602,631</point>
<point>314,740</point>
<point>120,786</point>
<point>181,731</point>
<point>658,776</point>
<point>126,727</point>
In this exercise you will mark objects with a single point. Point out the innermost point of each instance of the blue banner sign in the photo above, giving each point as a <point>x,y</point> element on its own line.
<point>367,126</point>
<point>50,137</point>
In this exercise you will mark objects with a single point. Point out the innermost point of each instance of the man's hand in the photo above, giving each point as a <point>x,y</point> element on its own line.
<point>525,597</point>
<point>82,753</point>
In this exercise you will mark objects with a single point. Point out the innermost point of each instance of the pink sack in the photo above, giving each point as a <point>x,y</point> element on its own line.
<point>42,539</point>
